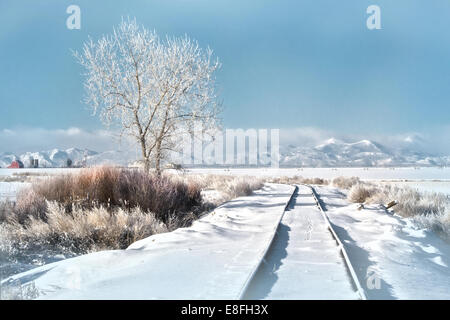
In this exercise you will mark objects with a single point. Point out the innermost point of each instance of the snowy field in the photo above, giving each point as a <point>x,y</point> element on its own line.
<point>8,190</point>
<point>429,173</point>
<point>422,179</point>
<point>424,186</point>
<point>41,171</point>
<point>392,258</point>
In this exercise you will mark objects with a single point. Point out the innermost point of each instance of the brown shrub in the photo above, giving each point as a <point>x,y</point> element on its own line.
<point>345,182</point>
<point>359,193</point>
<point>6,209</point>
<point>111,188</point>
<point>241,186</point>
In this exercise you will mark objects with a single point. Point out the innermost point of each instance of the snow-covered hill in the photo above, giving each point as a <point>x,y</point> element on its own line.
<point>364,153</point>
<point>330,153</point>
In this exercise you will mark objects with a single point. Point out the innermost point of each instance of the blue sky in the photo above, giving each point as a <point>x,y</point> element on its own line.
<point>285,64</point>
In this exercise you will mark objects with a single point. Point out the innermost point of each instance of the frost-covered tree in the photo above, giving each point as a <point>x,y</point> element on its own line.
<point>152,89</point>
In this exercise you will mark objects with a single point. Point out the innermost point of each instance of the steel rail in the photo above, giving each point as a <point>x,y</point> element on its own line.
<point>352,272</point>
<point>252,274</point>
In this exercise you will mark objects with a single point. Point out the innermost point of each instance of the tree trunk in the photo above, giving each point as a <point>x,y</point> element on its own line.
<point>145,156</point>
<point>158,158</point>
<point>147,165</point>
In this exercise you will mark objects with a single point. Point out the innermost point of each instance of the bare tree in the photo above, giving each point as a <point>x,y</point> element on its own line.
<point>151,89</point>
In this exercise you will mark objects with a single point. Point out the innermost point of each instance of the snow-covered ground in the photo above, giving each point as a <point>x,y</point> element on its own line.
<point>429,173</point>
<point>424,179</point>
<point>394,259</point>
<point>38,171</point>
<point>8,190</point>
<point>424,186</point>
<point>217,257</point>
<point>213,259</point>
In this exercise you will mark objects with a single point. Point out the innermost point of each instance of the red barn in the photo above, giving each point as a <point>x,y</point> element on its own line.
<point>16,164</point>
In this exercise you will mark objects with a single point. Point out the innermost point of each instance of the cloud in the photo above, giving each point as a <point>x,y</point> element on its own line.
<point>73,131</point>
<point>305,136</point>
<point>435,141</point>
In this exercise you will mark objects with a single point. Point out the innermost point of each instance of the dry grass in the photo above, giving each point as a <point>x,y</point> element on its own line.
<point>16,291</point>
<point>229,187</point>
<point>111,188</point>
<point>6,207</point>
<point>24,176</point>
<point>428,209</point>
<point>345,182</point>
<point>29,204</point>
<point>237,187</point>
<point>360,192</point>
<point>298,180</point>
<point>14,179</point>
<point>83,230</point>
<point>95,209</point>
<point>410,202</point>
<point>439,223</point>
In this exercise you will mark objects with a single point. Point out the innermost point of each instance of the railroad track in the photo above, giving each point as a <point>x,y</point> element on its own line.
<point>306,259</point>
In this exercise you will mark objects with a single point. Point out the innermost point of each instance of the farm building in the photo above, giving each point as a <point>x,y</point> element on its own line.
<point>34,163</point>
<point>16,164</point>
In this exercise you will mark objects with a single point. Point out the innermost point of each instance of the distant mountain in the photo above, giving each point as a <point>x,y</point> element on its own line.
<point>331,153</point>
<point>364,153</point>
